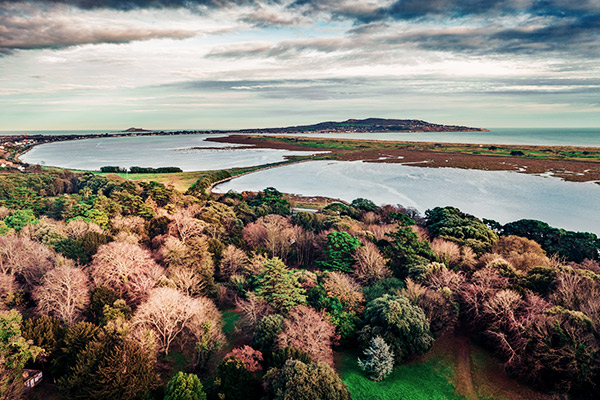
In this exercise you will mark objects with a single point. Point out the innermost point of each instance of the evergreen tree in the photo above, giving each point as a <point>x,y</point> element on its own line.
<point>299,381</point>
<point>15,351</point>
<point>339,250</point>
<point>233,381</point>
<point>379,359</point>
<point>279,287</point>
<point>185,387</point>
<point>402,324</point>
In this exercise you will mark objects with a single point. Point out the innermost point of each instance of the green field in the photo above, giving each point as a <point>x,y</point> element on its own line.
<point>453,369</point>
<point>430,378</point>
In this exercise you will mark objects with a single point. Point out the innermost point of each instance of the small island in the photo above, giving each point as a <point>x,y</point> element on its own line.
<point>135,130</point>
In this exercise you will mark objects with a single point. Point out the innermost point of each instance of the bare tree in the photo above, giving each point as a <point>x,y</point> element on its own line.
<point>64,293</point>
<point>185,225</point>
<point>446,251</point>
<point>370,265</point>
<point>252,310</point>
<point>25,259</point>
<point>309,331</point>
<point>77,228</point>
<point>342,286</point>
<point>127,269</point>
<point>232,261</point>
<point>272,232</point>
<point>173,316</point>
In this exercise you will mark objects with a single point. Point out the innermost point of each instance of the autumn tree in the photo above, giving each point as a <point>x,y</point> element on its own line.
<point>184,386</point>
<point>190,265</point>
<point>279,287</point>
<point>379,359</point>
<point>309,331</point>
<point>252,311</point>
<point>64,293</point>
<point>273,233</point>
<point>400,323</point>
<point>522,253</point>
<point>185,225</point>
<point>125,268</point>
<point>347,291</point>
<point>446,251</point>
<point>251,358</point>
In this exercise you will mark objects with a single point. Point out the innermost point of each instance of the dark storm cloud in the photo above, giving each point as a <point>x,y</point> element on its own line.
<point>422,9</point>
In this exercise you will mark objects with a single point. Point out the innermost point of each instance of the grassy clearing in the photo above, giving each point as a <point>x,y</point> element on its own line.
<point>429,378</point>
<point>453,369</point>
<point>230,317</point>
<point>179,180</point>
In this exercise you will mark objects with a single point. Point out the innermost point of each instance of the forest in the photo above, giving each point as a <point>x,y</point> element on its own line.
<point>117,289</point>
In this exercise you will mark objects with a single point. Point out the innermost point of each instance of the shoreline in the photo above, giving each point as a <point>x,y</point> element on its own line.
<point>437,155</point>
<point>420,154</point>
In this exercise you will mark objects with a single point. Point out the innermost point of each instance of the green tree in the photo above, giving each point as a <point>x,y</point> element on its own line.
<point>45,332</point>
<point>379,359</point>
<point>339,250</point>
<point>233,381</point>
<point>574,246</point>
<point>466,230</point>
<point>99,298</point>
<point>299,381</point>
<point>20,218</point>
<point>266,331</point>
<point>185,387</point>
<point>403,325</point>
<point>15,352</point>
<point>279,286</point>
<point>111,367</point>
<point>404,249</point>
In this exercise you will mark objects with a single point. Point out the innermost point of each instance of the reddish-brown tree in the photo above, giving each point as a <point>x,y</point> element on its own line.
<point>309,331</point>
<point>251,358</point>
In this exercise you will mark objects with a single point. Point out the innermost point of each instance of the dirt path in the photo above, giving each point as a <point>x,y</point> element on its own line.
<point>464,380</point>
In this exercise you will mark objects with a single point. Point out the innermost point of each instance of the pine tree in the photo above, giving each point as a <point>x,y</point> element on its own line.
<point>185,387</point>
<point>279,287</point>
<point>379,359</point>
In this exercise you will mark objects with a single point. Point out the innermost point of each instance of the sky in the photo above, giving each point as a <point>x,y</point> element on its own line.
<point>220,64</point>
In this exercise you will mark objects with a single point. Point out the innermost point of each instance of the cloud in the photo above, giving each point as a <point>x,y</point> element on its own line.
<point>41,32</point>
<point>126,5</point>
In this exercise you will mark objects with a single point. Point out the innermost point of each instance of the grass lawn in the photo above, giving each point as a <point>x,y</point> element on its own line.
<point>455,368</point>
<point>430,378</point>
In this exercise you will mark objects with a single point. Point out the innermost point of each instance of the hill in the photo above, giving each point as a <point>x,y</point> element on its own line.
<point>369,125</point>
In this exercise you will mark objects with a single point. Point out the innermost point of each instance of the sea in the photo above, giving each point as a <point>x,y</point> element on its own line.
<point>589,137</point>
